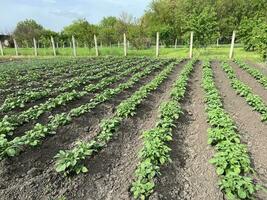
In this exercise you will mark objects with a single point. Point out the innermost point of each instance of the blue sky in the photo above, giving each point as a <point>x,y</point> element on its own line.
<point>55,14</point>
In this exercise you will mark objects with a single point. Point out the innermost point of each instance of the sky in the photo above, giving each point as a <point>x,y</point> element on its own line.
<point>55,14</point>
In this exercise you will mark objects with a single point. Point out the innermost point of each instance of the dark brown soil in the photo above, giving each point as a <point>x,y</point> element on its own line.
<point>252,130</point>
<point>31,175</point>
<point>44,118</point>
<point>245,77</point>
<point>58,82</point>
<point>190,176</point>
<point>121,155</point>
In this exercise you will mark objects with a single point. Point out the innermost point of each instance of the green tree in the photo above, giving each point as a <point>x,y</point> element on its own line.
<point>26,30</point>
<point>204,25</point>
<point>107,32</point>
<point>82,30</point>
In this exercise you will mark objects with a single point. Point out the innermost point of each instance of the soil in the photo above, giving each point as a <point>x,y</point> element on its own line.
<point>190,176</point>
<point>261,66</point>
<point>31,175</point>
<point>252,130</point>
<point>44,118</point>
<point>245,77</point>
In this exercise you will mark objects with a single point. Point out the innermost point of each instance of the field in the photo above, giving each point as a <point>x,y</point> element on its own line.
<point>133,128</point>
<point>221,52</point>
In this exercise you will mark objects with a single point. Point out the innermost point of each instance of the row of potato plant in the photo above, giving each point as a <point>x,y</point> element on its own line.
<point>33,137</point>
<point>243,90</point>
<point>52,82</point>
<point>155,151</point>
<point>32,70</point>
<point>256,73</point>
<point>231,159</point>
<point>71,161</point>
<point>9,123</point>
<point>30,95</point>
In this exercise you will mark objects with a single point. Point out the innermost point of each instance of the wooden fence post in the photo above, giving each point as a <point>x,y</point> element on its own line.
<point>232,46</point>
<point>218,42</point>
<point>35,47</point>
<point>53,46</point>
<point>74,47</point>
<point>191,45</point>
<point>125,44</point>
<point>96,48</point>
<point>175,45</point>
<point>157,45</point>
<point>16,47</point>
<point>1,49</point>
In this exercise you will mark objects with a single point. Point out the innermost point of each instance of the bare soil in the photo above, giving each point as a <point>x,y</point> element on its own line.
<point>253,131</point>
<point>245,77</point>
<point>261,66</point>
<point>31,175</point>
<point>190,176</point>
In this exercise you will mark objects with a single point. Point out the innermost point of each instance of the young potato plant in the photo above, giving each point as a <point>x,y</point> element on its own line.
<point>108,126</point>
<point>19,142</point>
<point>85,77</point>
<point>155,151</point>
<point>11,122</point>
<point>255,101</point>
<point>257,74</point>
<point>231,159</point>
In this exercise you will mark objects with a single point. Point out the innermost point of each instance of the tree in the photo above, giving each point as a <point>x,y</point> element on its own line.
<point>82,31</point>
<point>45,38</point>
<point>253,34</point>
<point>107,32</point>
<point>26,30</point>
<point>204,25</point>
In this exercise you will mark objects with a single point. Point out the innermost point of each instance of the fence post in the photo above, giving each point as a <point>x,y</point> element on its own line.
<point>96,48</point>
<point>191,45</point>
<point>53,46</point>
<point>232,46</point>
<point>1,49</point>
<point>175,45</point>
<point>218,42</point>
<point>16,47</point>
<point>125,44</point>
<point>157,45</point>
<point>35,47</point>
<point>74,47</point>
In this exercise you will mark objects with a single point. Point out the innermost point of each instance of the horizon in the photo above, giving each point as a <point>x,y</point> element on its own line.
<point>56,14</point>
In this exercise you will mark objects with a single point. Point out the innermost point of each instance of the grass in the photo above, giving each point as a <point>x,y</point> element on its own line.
<point>213,52</point>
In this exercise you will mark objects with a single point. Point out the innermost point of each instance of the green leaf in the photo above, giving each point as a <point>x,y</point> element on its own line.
<point>220,171</point>
<point>242,193</point>
<point>11,152</point>
<point>60,167</point>
<point>84,170</point>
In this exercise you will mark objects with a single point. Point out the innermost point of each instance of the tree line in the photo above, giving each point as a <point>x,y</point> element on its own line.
<point>173,19</point>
